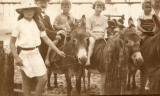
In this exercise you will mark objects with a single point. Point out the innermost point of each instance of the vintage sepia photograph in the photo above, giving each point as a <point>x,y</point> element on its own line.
<point>79,47</point>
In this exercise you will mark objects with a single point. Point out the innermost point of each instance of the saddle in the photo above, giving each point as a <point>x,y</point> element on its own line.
<point>55,59</point>
<point>97,51</point>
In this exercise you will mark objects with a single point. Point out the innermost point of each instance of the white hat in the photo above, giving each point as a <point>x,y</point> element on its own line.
<point>28,4</point>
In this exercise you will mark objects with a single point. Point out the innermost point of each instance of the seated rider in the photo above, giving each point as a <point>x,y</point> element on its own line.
<point>63,22</point>
<point>145,24</point>
<point>96,27</point>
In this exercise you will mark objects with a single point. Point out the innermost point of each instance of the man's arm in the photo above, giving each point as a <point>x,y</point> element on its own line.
<point>51,33</point>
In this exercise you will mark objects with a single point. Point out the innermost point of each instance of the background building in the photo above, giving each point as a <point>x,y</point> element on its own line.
<point>8,15</point>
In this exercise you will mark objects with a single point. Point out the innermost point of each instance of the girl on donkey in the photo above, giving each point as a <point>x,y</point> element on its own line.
<point>96,27</point>
<point>27,32</point>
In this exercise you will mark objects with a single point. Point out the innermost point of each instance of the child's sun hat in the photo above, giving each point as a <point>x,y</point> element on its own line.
<point>28,4</point>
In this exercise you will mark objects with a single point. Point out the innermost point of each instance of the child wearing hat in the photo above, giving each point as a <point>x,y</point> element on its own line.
<point>64,23</point>
<point>145,23</point>
<point>27,32</point>
<point>96,27</point>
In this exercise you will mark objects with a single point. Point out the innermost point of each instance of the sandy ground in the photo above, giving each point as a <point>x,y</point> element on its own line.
<point>61,90</point>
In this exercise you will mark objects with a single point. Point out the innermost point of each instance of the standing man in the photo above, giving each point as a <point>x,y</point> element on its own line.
<point>43,4</point>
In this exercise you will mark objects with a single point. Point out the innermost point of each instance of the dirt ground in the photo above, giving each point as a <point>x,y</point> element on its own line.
<point>61,90</point>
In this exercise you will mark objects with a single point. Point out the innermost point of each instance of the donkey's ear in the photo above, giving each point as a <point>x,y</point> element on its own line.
<point>83,16</point>
<point>76,20</point>
<point>156,20</point>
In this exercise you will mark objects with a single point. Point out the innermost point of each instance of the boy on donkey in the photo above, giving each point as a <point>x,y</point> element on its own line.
<point>63,23</point>
<point>145,24</point>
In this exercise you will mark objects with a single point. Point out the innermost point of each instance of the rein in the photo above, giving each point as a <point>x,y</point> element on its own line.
<point>74,57</point>
<point>153,70</point>
<point>65,64</point>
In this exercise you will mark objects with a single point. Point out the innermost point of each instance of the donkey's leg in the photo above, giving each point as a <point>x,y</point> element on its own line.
<point>102,90</point>
<point>78,85</point>
<point>79,74</point>
<point>128,79</point>
<point>69,85</point>
<point>133,79</point>
<point>153,82</point>
<point>158,87</point>
<point>55,81</point>
<point>84,83</point>
<point>49,76</point>
<point>143,79</point>
<point>89,79</point>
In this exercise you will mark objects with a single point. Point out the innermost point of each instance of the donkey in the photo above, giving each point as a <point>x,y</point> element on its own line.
<point>150,50</point>
<point>75,48</point>
<point>103,53</point>
<point>132,69</point>
<point>79,23</point>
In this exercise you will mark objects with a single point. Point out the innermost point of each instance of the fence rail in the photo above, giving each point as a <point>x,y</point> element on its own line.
<point>78,2</point>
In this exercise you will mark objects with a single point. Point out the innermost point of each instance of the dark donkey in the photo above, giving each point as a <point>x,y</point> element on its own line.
<point>115,52</point>
<point>132,68</point>
<point>79,23</point>
<point>150,50</point>
<point>75,49</point>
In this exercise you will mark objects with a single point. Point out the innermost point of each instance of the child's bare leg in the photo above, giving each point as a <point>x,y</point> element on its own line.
<point>47,62</point>
<point>26,84</point>
<point>42,80</point>
<point>90,49</point>
<point>57,39</point>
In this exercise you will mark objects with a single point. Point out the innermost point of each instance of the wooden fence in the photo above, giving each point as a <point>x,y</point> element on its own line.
<point>6,73</point>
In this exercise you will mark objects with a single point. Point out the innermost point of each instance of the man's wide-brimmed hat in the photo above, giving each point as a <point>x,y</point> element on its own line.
<point>28,4</point>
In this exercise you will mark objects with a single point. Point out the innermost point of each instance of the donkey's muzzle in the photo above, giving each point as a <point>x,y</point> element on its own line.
<point>83,60</point>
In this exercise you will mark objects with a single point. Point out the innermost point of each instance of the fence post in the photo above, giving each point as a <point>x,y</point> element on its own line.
<point>116,71</point>
<point>6,73</point>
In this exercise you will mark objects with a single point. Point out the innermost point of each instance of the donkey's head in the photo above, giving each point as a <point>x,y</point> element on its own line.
<point>132,40</point>
<point>80,40</point>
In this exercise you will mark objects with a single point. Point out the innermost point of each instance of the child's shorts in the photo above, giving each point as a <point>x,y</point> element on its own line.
<point>33,64</point>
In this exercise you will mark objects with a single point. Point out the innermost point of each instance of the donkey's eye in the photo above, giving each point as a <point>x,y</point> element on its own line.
<point>127,42</point>
<point>74,40</point>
